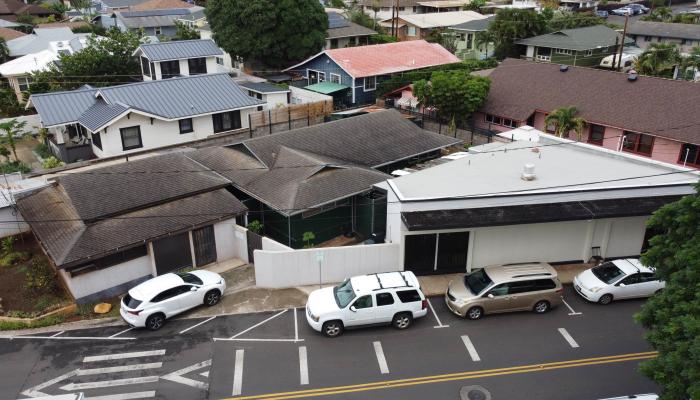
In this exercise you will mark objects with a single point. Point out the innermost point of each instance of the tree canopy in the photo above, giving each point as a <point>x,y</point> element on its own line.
<point>275,33</point>
<point>569,20</point>
<point>455,94</point>
<point>659,59</point>
<point>511,25</point>
<point>4,51</point>
<point>565,120</point>
<point>673,316</point>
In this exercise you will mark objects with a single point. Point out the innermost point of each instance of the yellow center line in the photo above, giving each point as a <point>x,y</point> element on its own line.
<point>453,376</point>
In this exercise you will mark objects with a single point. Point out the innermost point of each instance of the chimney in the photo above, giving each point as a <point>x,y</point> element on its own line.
<point>528,172</point>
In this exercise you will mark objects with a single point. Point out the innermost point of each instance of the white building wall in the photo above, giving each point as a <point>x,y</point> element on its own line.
<point>274,100</point>
<point>157,134</point>
<point>97,281</point>
<point>303,96</point>
<point>626,237</point>
<point>11,228</point>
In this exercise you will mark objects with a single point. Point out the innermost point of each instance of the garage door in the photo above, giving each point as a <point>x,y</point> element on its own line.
<point>436,253</point>
<point>172,253</point>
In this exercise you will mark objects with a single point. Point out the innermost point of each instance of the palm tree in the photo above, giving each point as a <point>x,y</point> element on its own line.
<point>659,59</point>
<point>12,128</point>
<point>565,120</point>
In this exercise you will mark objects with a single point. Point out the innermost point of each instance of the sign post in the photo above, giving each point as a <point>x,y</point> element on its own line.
<point>319,258</point>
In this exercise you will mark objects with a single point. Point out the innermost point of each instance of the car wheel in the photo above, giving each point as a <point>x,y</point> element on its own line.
<point>541,307</point>
<point>212,297</point>
<point>402,320</point>
<point>332,329</point>
<point>155,321</point>
<point>475,313</point>
<point>605,299</point>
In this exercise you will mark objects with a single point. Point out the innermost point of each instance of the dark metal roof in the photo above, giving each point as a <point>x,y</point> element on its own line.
<point>590,37</point>
<point>155,13</point>
<point>336,20</point>
<point>100,114</point>
<point>534,213</point>
<point>180,49</point>
<point>476,25</point>
<point>262,87</point>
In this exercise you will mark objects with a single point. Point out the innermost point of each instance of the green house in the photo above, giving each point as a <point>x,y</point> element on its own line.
<point>319,178</point>
<point>579,47</point>
<point>467,45</point>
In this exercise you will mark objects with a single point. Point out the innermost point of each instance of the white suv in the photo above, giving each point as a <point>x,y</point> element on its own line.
<point>391,297</point>
<point>150,303</point>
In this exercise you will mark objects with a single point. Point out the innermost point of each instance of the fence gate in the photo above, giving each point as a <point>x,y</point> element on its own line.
<point>172,252</point>
<point>204,245</point>
<point>254,243</point>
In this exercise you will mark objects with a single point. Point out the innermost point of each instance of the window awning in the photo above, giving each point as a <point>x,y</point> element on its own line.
<point>326,87</point>
<point>533,213</point>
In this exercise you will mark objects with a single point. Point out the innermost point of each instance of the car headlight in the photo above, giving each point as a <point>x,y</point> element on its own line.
<point>315,317</point>
<point>596,289</point>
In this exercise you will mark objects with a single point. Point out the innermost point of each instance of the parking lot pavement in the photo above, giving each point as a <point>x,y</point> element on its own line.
<point>272,352</point>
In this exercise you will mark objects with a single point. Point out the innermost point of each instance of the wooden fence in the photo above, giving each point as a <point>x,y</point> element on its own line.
<point>287,118</point>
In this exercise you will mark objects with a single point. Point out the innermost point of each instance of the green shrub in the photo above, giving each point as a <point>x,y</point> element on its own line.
<point>43,150</point>
<point>13,258</point>
<point>14,166</point>
<point>48,321</point>
<point>52,162</point>
<point>308,238</point>
<point>45,302</point>
<point>8,244</point>
<point>40,277</point>
<point>19,314</point>
<point>255,226</point>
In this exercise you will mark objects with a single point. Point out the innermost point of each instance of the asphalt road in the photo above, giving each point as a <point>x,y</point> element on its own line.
<point>590,355</point>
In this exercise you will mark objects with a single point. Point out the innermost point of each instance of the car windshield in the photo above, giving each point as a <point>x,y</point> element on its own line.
<point>344,293</point>
<point>130,302</point>
<point>477,281</point>
<point>607,272</point>
<point>190,278</point>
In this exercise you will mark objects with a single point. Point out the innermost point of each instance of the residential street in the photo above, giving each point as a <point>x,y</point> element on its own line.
<point>589,353</point>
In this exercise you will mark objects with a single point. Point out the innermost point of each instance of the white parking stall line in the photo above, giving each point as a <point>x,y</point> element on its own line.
<point>126,396</point>
<point>57,333</point>
<point>303,366</point>
<point>121,356</point>
<point>197,324</point>
<point>383,367</point>
<point>68,337</point>
<point>296,326</point>
<point>35,391</point>
<point>258,324</point>
<point>119,333</point>
<point>568,338</point>
<point>470,348</point>
<point>439,325</point>
<point>569,307</point>
<point>238,373</point>
<point>121,368</point>
<point>257,340</point>
<point>114,382</point>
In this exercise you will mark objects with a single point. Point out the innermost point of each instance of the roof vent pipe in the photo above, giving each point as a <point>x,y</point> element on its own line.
<point>563,68</point>
<point>632,75</point>
<point>528,172</point>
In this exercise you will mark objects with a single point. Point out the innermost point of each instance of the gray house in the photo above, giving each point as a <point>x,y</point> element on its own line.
<point>686,36</point>
<point>153,22</point>
<point>180,58</point>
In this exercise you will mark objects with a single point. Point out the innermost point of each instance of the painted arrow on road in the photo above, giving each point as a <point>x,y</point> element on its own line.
<point>103,384</point>
<point>178,377</point>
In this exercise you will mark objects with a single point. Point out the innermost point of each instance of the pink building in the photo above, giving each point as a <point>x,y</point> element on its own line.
<point>654,117</point>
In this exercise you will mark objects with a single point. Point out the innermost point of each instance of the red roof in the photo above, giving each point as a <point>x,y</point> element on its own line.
<point>381,59</point>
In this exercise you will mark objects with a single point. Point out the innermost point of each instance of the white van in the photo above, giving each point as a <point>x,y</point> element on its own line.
<point>627,61</point>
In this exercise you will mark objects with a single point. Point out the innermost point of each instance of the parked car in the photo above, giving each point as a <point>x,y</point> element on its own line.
<point>602,13</point>
<point>648,396</point>
<point>618,279</point>
<point>388,298</point>
<point>150,303</point>
<point>638,8</point>
<point>626,10</point>
<point>503,288</point>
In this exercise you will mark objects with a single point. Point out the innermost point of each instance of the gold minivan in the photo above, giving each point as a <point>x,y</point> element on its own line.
<point>504,288</point>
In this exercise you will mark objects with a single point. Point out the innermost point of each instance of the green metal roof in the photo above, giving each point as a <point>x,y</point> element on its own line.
<point>590,37</point>
<point>326,87</point>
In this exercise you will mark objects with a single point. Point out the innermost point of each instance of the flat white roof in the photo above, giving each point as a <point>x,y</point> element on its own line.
<point>438,19</point>
<point>560,165</point>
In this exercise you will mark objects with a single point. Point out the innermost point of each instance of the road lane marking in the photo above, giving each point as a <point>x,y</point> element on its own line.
<point>296,326</point>
<point>258,324</point>
<point>439,325</point>
<point>205,374</point>
<point>303,366</point>
<point>177,376</point>
<point>121,356</point>
<point>35,391</point>
<point>114,382</point>
<point>569,307</point>
<point>454,376</point>
<point>196,325</point>
<point>470,348</point>
<point>67,337</point>
<point>256,340</point>
<point>120,368</point>
<point>238,373</point>
<point>126,396</point>
<point>568,338</point>
<point>57,333</point>
<point>119,333</point>
<point>383,367</point>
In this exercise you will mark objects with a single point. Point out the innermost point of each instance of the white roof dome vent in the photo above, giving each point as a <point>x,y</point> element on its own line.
<point>528,172</point>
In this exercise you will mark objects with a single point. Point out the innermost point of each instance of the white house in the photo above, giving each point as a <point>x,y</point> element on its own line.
<point>117,120</point>
<point>14,185</point>
<point>554,200</point>
<point>181,58</point>
<point>274,96</point>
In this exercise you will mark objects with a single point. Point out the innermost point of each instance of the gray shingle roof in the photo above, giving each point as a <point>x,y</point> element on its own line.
<point>262,87</point>
<point>664,29</point>
<point>169,99</point>
<point>155,13</point>
<point>352,29</point>
<point>180,49</point>
<point>476,25</point>
<point>586,38</point>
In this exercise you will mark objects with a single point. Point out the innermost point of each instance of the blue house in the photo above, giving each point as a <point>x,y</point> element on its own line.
<point>351,74</point>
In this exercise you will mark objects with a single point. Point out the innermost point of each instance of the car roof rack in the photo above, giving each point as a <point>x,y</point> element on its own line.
<point>533,274</point>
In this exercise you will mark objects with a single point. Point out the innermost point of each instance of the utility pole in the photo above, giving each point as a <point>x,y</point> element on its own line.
<point>622,45</point>
<point>614,59</point>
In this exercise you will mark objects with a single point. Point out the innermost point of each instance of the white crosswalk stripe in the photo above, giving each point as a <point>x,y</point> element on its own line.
<point>121,356</point>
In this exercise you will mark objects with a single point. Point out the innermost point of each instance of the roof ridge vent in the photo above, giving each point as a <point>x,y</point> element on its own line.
<point>563,68</point>
<point>528,172</point>
<point>632,75</point>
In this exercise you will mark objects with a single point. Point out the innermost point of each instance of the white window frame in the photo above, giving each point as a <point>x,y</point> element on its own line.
<point>157,30</point>
<point>321,76</point>
<point>374,85</point>
<point>588,53</point>
<point>568,52</point>
<point>27,81</point>
<point>338,81</point>
<point>408,31</point>
<point>219,60</point>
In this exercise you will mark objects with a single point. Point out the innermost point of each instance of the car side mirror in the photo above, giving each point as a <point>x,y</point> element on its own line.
<point>490,295</point>
<point>194,289</point>
<point>353,309</point>
<point>621,284</point>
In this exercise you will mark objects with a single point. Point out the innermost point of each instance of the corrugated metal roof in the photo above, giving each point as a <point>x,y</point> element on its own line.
<point>155,13</point>
<point>590,37</point>
<point>665,29</point>
<point>262,87</point>
<point>61,108</point>
<point>180,49</point>
<point>441,19</point>
<point>100,114</point>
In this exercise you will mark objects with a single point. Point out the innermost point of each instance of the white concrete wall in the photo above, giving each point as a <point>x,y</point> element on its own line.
<point>303,96</point>
<point>97,281</point>
<point>240,244</point>
<point>278,269</point>
<point>11,228</point>
<point>269,244</point>
<point>274,100</point>
<point>158,134</point>
<point>231,241</point>
<point>626,237</point>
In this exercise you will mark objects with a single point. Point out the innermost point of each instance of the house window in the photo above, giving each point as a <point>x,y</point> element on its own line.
<point>334,43</point>
<point>690,155</point>
<point>544,54</point>
<point>493,119</point>
<point>411,31</point>
<point>321,77</point>
<point>637,143</point>
<point>588,53</point>
<point>131,138</point>
<point>170,69</point>
<point>108,261</point>
<point>23,83</point>
<point>157,30</point>
<point>414,9</point>
<point>370,83</point>
<point>335,78</point>
<point>220,60</point>
<point>564,51</point>
<point>97,140</point>
<point>470,40</point>
<point>647,38</point>
<point>596,134</point>
<point>227,121</point>
<point>185,125</point>
<point>197,66</point>
<point>146,67</point>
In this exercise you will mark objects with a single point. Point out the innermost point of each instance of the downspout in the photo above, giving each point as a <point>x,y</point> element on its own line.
<point>353,90</point>
<point>289,232</point>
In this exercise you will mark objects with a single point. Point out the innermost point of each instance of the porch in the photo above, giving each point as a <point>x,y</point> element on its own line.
<point>70,143</point>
